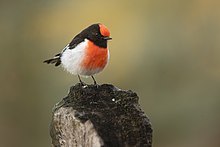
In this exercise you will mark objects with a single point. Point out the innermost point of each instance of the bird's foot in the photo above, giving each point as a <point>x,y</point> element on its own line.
<point>96,85</point>
<point>83,85</point>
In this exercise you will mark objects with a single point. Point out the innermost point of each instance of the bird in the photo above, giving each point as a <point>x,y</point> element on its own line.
<point>87,54</point>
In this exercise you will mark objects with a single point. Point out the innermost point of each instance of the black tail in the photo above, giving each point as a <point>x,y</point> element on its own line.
<point>56,60</point>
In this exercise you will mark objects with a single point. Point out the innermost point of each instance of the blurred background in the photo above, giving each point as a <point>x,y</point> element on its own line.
<point>166,51</point>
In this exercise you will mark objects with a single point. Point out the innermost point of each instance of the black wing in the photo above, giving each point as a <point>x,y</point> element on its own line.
<point>76,40</point>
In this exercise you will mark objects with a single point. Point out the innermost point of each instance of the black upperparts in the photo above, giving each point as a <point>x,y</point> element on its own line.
<point>91,33</point>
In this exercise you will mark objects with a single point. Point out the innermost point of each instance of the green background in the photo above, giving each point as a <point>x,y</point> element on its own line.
<point>166,51</point>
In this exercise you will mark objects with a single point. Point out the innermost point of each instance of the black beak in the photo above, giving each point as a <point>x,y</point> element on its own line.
<point>107,38</point>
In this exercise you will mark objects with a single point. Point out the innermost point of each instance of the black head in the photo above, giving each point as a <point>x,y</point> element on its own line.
<point>97,33</point>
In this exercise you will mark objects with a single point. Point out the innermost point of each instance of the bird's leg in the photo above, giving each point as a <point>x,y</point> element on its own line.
<point>94,81</point>
<point>81,82</point>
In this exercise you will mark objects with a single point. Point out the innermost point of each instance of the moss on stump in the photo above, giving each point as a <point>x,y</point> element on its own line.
<point>100,116</point>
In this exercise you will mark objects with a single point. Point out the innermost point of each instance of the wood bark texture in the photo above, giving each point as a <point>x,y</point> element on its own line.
<point>102,116</point>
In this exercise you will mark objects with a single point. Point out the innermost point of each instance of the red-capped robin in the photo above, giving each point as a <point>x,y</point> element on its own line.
<point>87,54</point>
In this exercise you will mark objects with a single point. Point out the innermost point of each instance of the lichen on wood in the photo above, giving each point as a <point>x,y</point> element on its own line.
<point>100,116</point>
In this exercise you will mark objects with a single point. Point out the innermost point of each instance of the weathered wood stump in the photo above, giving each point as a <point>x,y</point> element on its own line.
<point>102,116</point>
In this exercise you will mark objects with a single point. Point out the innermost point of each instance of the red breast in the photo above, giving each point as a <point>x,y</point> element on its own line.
<point>95,57</point>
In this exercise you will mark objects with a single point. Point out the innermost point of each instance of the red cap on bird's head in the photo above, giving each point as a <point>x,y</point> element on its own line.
<point>104,30</point>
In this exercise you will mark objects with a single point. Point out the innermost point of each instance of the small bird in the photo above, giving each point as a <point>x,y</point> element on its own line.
<point>87,54</point>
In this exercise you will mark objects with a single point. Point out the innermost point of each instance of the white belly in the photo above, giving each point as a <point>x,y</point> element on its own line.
<point>71,59</point>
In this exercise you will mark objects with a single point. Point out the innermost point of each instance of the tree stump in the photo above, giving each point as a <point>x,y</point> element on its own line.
<point>102,116</point>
